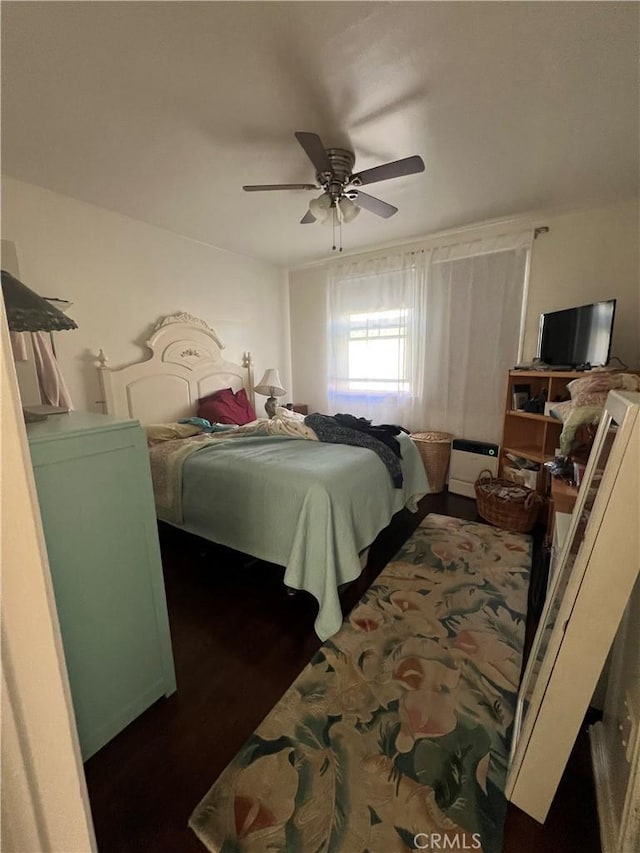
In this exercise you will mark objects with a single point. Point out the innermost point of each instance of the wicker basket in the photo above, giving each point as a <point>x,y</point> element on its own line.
<point>435,450</point>
<point>505,504</point>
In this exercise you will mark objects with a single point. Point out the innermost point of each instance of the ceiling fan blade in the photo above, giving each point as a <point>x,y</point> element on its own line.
<point>314,150</point>
<point>307,218</point>
<point>406,166</point>
<point>256,188</point>
<point>375,205</point>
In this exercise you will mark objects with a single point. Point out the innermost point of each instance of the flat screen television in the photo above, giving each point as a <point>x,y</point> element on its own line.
<point>577,337</point>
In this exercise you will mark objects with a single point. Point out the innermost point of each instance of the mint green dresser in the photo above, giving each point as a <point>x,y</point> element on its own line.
<point>94,490</point>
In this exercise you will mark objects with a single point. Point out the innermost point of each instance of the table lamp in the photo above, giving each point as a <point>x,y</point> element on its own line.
<point>270,386</point>
<point>27,311</point>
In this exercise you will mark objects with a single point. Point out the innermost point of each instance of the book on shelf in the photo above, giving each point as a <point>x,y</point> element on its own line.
<point>519,400</point>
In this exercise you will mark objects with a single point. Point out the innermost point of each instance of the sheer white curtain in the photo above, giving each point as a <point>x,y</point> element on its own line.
<point>475,303</point>
<point>425,339</point>
<point>376,338</point>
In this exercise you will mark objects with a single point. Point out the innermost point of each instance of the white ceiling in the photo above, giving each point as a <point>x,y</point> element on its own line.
<point>163,110</point>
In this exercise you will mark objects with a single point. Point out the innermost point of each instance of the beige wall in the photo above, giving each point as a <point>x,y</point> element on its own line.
<point>587,256</point>
<point>123,275</point>
<point>308,310</point>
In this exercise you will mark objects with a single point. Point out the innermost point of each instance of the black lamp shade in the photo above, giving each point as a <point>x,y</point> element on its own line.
<point>29,312</point>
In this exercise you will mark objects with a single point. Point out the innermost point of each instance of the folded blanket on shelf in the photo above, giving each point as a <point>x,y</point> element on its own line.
<point>588,397</point>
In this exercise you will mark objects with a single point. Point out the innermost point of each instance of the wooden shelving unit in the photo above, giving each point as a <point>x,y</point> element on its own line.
<point>563,494</point>
<point>532,436</point>
<point>562,498</point>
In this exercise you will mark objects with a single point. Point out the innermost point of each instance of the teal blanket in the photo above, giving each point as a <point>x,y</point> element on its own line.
<point>308,506</point>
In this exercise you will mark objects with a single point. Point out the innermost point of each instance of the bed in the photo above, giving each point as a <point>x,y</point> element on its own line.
<point>307,505</point>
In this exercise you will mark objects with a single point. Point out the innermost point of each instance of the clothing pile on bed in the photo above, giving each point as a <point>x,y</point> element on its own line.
<point>359,432</point>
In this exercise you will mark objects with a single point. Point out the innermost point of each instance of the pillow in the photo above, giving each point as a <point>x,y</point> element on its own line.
<point>169,432</point>
<point>588,396</point>
<point>592,390</point>
<point>207,427</point>
<point>288,414</point>
<point>560,411</point>
<point>225,407</point>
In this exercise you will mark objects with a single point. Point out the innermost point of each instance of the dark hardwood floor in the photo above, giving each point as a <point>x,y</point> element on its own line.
<point>238,642</point>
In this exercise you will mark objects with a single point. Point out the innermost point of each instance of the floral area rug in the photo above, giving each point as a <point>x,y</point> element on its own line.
<point>396,735</point>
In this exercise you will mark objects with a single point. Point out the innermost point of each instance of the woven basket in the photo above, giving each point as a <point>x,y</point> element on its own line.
<point>435,450</point>
<point>505,504</point>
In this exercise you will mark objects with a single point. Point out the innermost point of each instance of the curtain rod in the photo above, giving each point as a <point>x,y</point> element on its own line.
<point>455,234</point>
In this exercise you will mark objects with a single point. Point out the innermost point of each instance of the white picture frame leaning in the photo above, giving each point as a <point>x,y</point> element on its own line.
<point>597,569</point>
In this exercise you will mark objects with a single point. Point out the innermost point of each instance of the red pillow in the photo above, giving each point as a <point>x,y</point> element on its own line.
<point>225,407</point>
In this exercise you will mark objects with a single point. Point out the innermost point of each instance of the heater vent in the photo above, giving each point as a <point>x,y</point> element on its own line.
<point>468,459</point>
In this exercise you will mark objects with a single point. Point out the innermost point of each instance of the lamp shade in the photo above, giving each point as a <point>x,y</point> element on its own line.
<point>270,385</point>
<point>320,206</point>
<point>348,209</point>
<point>29,312</point>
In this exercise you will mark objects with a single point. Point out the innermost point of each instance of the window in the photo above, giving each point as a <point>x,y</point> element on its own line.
<point>376,318</point>
<point>424,338</point>
<point>376,359</point>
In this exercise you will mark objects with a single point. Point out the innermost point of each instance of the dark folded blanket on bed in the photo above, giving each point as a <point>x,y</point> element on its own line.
<point>330,429</point>
<point>383,432</point>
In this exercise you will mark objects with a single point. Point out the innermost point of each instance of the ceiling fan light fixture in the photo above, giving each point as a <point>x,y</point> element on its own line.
<point>320,207</point>
<point>332,217</point>
<point>342,199</point>
<point>348,209</point>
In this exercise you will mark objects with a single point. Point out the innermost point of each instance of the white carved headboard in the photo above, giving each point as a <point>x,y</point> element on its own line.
<point>186,364</point>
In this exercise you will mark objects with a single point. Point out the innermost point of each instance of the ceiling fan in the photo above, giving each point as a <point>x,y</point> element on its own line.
<point>342,198</point>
